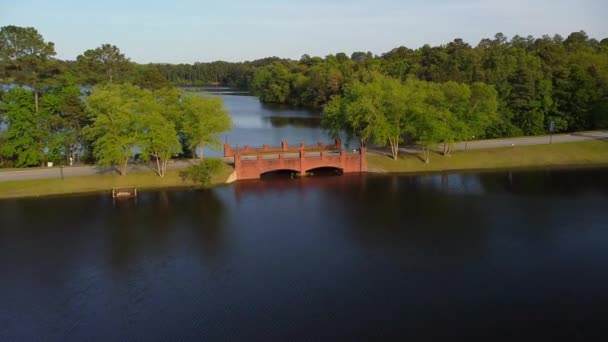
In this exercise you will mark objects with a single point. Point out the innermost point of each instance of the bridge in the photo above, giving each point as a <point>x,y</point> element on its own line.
<point>251,163</point>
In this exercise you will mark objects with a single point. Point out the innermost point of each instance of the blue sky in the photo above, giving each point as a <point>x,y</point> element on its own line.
<point>235,30</point>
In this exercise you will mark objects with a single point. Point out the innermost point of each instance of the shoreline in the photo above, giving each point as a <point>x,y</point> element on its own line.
<point>102,184</point>
<point>564,167</point>
<point>554,167</point>
<point>576,155</point>
<point>571,154</point>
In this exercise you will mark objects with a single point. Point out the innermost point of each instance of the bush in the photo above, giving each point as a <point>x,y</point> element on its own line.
<point>203,172</point>
<point>6,163</point>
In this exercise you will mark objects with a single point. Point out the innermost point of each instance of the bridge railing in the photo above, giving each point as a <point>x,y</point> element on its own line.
<point>230,151</point>
<point>296,155</point>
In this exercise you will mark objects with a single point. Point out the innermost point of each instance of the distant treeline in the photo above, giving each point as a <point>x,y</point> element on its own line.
<point>538,80</point>
<point>218,73</point>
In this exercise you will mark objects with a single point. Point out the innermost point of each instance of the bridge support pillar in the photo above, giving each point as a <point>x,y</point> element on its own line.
<point>227,150</point>
<point>302,162</point>
<point>237,163</point>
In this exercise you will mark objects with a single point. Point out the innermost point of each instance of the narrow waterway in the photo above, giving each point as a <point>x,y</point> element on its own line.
<point>492,256</point>
<point>257,123</point>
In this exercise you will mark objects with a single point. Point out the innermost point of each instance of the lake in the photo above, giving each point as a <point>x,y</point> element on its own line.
<point>256,123</point>
<point>493,256</point>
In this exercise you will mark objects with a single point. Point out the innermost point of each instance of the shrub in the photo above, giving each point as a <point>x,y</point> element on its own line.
<point>203,172</point>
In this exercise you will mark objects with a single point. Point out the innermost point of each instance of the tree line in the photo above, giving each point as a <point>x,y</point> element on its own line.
<point>537,80</point>
<point>102,107</point>
<point>219,73</point>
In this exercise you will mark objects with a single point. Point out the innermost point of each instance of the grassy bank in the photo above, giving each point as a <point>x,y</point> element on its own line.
<point>97,183</point>
<point>585,153</point>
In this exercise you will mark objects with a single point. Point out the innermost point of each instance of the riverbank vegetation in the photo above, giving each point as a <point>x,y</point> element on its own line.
<point>385,109</point>
<point>143,180</point>
<point>580,154</point>
<point>203,172</point>
<point>101,108</point>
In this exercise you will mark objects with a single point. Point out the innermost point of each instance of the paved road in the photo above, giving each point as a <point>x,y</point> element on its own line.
<point>75,171</point>
<point>541,140</point>
<point>524,141</point>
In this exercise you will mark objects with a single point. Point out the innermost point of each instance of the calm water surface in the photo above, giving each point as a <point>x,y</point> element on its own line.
<point>494,256</point>
<point>256,123</point>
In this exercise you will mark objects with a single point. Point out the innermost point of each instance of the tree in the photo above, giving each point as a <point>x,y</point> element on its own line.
<point>159,114</point>
<point>272,83</point>
<point>428,130</point>
<point>324,82</point>
<point>159,140</point>
<point>482,110</point>
<point>117,127</point>
<point>104,64</point>
<point>24,137</point>
<point>26,59</point>
<point>66,113</point>
<point>203,119</point>
<point>397,104</point>
<point>148,77</point>
<point>351,113</point>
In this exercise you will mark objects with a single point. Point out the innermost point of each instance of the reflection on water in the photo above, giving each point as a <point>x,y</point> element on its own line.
<point>281,121</point>
<point>463,255</point>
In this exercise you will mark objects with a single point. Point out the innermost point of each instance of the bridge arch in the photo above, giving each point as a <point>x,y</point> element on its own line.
<point>279,173</point>
<point>325,170</point>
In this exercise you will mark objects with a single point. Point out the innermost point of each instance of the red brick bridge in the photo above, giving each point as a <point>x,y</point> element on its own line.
<point>251,163</point>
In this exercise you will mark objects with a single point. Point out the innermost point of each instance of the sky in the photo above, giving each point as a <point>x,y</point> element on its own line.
<point>174,31</point>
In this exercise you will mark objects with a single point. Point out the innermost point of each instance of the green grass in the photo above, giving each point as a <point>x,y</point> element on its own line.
<point>586,153</point>
<point>100,183</point>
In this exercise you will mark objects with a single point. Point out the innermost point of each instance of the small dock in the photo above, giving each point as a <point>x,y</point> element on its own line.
<point>126,192</point>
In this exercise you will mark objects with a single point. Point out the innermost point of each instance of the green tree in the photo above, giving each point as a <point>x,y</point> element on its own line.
<point>104,64</point>
<point>352,113</point>
<point>24,138</point>
<point>117,126</point>
<point>148,77</point>
<point>202,121</point>
<point>482,110</point>
<point>26,59</point>
<point>397,106</point>
<point>159,140</point>
<point>272,83</point>
<point>66,113</point>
